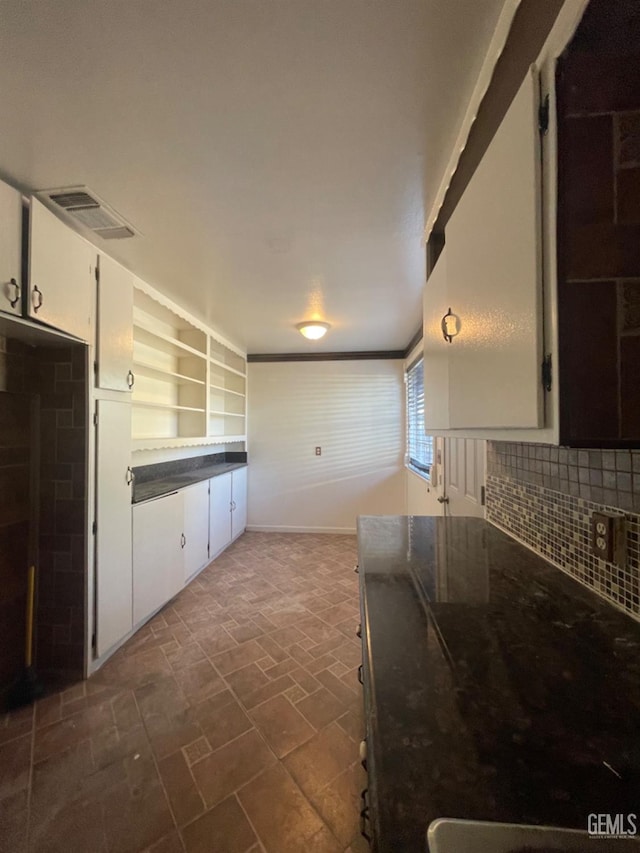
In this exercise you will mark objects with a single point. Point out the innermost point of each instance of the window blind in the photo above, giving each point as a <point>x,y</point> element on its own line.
<point>419,445</point>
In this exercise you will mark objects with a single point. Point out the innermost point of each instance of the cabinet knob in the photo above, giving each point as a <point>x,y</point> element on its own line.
<point>13,283</point>
<point>442,500</point>
<point>130,379</point>
<point>37,298</point>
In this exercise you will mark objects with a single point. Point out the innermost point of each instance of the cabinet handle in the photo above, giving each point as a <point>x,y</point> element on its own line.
<point>183,540</point>
<point>130,476</point>
<point>360,677</point>
<point>363,754</point>
<point>442,500</point>
<point>13,302</point>
<point>364,816</point>
<point>359,631</point>
<point>233,506</point>
<point>357,570</point>
<point>130,379</point>
<point>40,299</point>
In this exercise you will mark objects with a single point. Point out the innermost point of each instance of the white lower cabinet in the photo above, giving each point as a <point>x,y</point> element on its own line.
<point>196,528</point>
<point>227,509</point>
<point>113,524</point>
<point>219,513</point>
<point>158,566</point>
<point>238,501</point>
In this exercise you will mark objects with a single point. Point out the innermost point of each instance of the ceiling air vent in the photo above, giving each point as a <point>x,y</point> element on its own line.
<point>90,211</point>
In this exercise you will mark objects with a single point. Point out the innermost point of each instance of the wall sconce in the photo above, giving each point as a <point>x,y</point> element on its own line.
<point>313,329</point>
<point>450,326</point>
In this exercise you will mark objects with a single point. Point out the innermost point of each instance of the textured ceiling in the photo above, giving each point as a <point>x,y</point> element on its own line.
<point>276,155</point>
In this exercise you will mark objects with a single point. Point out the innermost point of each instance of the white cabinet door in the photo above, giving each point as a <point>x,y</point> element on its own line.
<point>10,250</point>
<point>436,349</point>
<point>114,326</point>
<point>219,513</point>
<point>114,617</point>
<point>464,460</point>
<point>60,265</point>
<point>238,501</point>
<point>196,528</point>
<point>494,280</point>
<point>158,566</point>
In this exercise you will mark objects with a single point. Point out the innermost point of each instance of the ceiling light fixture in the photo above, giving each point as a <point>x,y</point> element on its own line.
<point>313,329</point>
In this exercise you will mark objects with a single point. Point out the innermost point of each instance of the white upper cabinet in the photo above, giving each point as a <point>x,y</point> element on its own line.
<point>60,268</point>
<point>114,326</point>
<point>491,279</point>
<point>10,250</point>
<point>436,349</point>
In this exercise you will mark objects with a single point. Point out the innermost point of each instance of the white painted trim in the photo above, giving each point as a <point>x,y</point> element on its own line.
<point>277,528</point>
<point>496,46</point>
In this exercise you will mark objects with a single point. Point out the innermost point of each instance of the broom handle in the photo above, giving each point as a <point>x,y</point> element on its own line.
<point>31,583</point>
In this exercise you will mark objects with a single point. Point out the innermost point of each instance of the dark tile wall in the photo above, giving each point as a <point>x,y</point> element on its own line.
<point>545,496</point>
<point>598,87</point>
<point>58,376</point>
<point>63,504</point>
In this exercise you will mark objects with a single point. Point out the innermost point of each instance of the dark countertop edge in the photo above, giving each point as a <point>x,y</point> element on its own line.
<point>165,486</point>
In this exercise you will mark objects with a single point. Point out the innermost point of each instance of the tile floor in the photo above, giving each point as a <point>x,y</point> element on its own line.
<point>229,723</point>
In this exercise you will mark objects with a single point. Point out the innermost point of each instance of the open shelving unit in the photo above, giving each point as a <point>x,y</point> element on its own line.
<point>190,385</point>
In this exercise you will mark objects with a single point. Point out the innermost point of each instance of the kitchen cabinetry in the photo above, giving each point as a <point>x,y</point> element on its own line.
<point>219,513</point>
<point>238,502</point>
<point>489,276</point>
<point>114,336</point>
<point>227,509</point>
<point>227,392</point>
<point>10,250</point>
<point>60,269</point>
<point>196,528</point>
<point>170,368</point>
<point>158,568</point>
<point>190,386</point>
<point>113,570</point>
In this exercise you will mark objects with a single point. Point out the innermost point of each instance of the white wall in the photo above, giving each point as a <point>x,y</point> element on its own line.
<point>421,498</point>
<point>354,411</point>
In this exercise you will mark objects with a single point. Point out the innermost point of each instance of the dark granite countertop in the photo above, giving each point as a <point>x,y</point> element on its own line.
<point>497,688</point>
<point>153,481</point>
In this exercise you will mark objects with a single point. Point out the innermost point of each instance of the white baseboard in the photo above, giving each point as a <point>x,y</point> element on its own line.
<point>277,528</point>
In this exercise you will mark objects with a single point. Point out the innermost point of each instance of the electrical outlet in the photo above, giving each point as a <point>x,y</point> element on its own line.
<point>318,451</point>
<point>609,537</point>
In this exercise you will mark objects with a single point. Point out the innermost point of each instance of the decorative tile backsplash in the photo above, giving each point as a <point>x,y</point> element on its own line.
<point>545,496</point>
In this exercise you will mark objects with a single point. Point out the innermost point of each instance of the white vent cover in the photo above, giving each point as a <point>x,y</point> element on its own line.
<point>85,207</point>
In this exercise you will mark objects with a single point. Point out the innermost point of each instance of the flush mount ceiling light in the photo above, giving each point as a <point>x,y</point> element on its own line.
<point>313,329</point>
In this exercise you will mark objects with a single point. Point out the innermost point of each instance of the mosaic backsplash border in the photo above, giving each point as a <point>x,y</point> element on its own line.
<point>557,526</point>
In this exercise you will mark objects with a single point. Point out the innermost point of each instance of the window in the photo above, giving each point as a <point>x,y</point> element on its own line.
<point>419,445</point>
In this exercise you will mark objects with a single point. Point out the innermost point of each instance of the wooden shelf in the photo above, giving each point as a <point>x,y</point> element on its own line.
<point>172,346</point>
<point>152,442</point>
<point>176,358</point>
<point>170,376</point>
<point>169,406</point>
<point>226,367</point>
<point>227,390</point>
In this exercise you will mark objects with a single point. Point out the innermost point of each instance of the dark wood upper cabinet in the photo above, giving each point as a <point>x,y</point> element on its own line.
<point>598,102</point>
